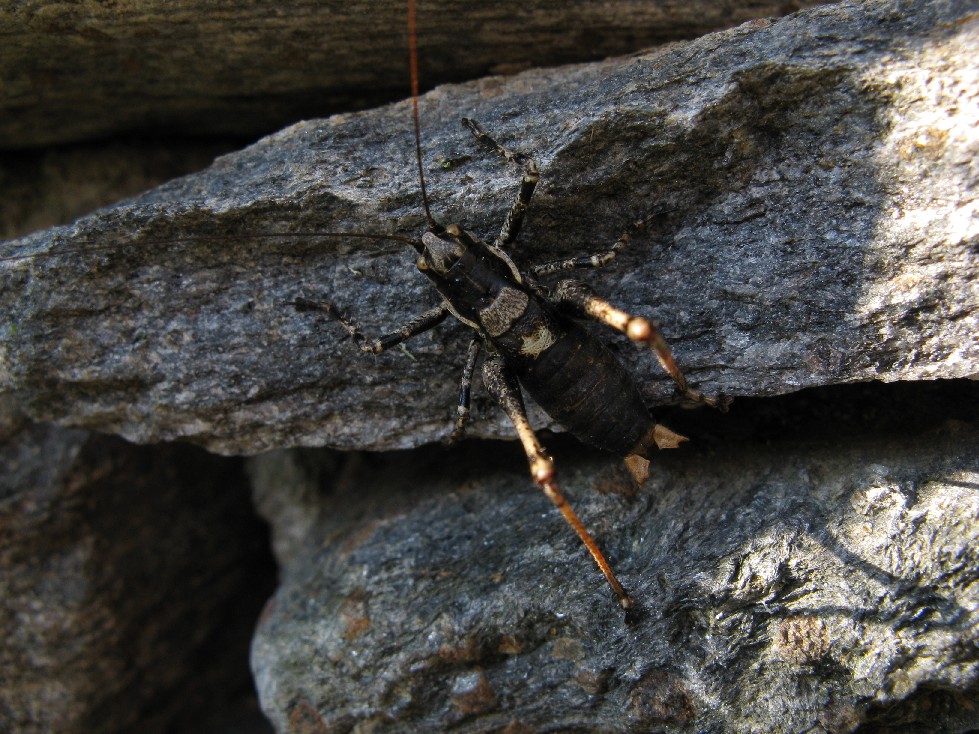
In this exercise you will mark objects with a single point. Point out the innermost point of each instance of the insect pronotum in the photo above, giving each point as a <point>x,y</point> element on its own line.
<point>528,334</point>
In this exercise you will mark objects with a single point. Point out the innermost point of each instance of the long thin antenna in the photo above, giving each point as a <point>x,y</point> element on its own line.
<point>94,247</point>
<point>413,49</point>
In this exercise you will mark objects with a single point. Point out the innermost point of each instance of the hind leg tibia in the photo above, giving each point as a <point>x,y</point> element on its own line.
<point>501,383</point>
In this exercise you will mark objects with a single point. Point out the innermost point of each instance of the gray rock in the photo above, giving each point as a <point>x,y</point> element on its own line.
<point>810,563</point>
<point>811,182</point>
<point>814,184</point>
<point>130,580</point>
<point>245,68</point>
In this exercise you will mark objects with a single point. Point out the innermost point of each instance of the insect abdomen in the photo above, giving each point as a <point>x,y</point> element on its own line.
<point>568,372</point>
<point>582,386</point>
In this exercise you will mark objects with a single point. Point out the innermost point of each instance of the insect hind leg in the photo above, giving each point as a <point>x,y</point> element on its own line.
<point>501,383</point>
<point>514,218</point>
<point>583,302</point>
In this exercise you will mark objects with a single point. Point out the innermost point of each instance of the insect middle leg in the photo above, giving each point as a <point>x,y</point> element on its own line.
<point>501,383</point>
<point>514,218</point>
<point>465,390</point>
<point>582,301</point>
<point>428,320</point>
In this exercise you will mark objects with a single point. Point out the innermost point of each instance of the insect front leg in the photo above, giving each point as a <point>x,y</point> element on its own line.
<point>582,301</point>
<point>501,383</point>
<point>514,218</point>
<point>431,318</point>
<point>597,260</point>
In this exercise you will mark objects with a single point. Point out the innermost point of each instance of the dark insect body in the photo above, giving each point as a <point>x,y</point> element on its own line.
<point>532,338</point>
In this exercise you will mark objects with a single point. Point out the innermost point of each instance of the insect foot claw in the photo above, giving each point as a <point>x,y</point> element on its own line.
<point>304,304</point>
<point>721,402</point>
<point>455,437</point>
<point>633,612</point>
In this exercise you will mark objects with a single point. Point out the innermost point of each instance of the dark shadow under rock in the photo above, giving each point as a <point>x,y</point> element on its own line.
<point>243,68</point>
<point>131,579</point>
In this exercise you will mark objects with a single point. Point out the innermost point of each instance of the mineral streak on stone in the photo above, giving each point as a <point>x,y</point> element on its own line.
<point>809,182</point>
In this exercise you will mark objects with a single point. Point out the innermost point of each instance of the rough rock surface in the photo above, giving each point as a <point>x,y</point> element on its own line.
<point>130,579</point>
<point>76,71</point>
<point>817,225</point>
<point>808,563</point>
<point>811,183</point>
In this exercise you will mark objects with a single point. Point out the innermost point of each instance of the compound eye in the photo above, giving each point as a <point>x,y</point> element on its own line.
<point>453,230</point>
<point>421,263</point>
